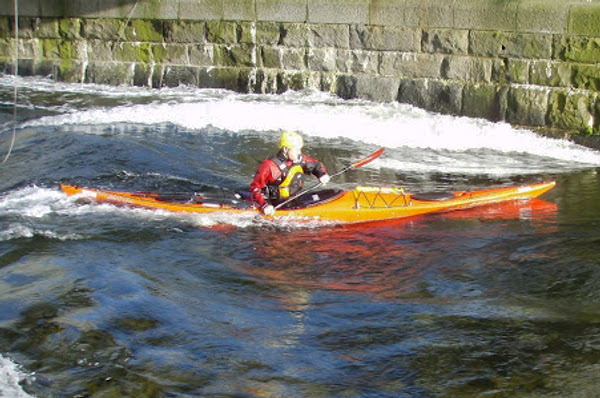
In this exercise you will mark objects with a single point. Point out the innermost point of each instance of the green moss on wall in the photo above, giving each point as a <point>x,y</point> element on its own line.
<point>159,52</point>
<point>144,30</point>
<point>143,53</point>
<point>65,51</point>
<point>584,19</point>
<point>70,28</point>
<point>49,48</point>
<point>586,77</point>
<point>222,32</point>
<point>571,110</point>
<point>580,49</point>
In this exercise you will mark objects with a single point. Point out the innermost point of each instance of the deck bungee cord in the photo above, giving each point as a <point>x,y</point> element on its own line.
<point>16,90</point>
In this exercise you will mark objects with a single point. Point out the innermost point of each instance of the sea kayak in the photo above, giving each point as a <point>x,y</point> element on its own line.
<point>363,204</point>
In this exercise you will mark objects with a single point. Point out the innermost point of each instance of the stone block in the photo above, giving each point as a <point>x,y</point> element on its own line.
<point>133,9</point>
<point>177,54</point>
<point>467,69</point>
<point>177,75</point>
<point>246,32</point>
<point>73,72</point>
<point>70,28</point>
<point>150,9</point>
<point>338,11</point>
<point>550,73</point>
<point>322,81</point>
<point>291,81</point>
<point>385,38</point>
<point>586,77</point>
<point>294,35</point>
<point>82,8</point>
<point>516,45</point>
<point>45,67</point>
<point>542,16</point>
<point>103,29</point>
<point>321,59</point>
<point>142,75</point>
<point>184,31</point>
<point>333,36</point>
<point>263,82</point>
<point>202,54</point>
<point>201,10</point>
<point>484,100</point>
<point>571,110</point>
<point>430,13</point>
<point>282,10</point>
<point>446,97</point>
<point>486,15</point>
<point>510,70</point>
<point>358,61</point>
<point>388,12</point>
<point>345,86</point>
<point>414,92</point>
<point>293,58</point>
<point>112,73</point>
<point>144,30</point>
<point>31,48</point>
<point>27,8</point>
<point>121,9</point>
<point>99,50</point>
<point>445,41</point>
<point>271,57</point>
<point>27,28</point>
<point>432,95</point>
<point>127,52</point>
<point>6,48</point>
<point>50,48</point>
<point>376,88</point>
<point>584,19</point>
<point>222,32</point>
<point>6,27</point>
<point>527,106</point>
<point>239,10</point>
<point>46,28</point>
<point>243,55</point>
<point>52,8</point>
<point>234,56</point>
<point>411,65</point>
<point>268,33</point>
<point>578,49</point>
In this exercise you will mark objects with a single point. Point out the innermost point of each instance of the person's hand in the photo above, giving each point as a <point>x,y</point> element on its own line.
<point>268,210</point>
<point>324,179</point>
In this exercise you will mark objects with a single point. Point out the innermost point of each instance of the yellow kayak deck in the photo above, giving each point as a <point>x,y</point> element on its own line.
<point>363,204</point>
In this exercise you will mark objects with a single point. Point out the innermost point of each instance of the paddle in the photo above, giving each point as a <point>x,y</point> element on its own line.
<point>355,165</point>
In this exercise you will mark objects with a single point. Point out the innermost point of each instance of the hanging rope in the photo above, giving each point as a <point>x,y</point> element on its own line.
<point>16,91</point>
<point>124,27</point>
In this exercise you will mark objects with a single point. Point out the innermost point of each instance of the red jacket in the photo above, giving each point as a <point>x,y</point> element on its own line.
<point>270,175</point>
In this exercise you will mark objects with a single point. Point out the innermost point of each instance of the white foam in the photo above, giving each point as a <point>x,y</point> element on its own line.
<point>315,114</point>
<point>32,202</point>
<point>11,375</point>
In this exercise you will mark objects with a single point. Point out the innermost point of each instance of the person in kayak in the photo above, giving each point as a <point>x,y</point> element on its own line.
<point>282,176</point>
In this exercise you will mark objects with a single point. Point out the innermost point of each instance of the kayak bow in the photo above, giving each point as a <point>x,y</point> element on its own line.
<point>363,204</point>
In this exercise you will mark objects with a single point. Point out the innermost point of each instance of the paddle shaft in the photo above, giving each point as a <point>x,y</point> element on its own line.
<point>355,165</point>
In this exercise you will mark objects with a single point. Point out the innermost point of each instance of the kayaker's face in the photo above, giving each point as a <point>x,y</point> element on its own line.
<point>293,154</point>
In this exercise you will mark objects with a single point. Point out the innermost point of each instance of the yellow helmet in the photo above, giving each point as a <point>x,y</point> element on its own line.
<point>290,139</point>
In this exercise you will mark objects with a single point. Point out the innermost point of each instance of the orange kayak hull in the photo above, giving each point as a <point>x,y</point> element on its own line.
<point>364,204</point>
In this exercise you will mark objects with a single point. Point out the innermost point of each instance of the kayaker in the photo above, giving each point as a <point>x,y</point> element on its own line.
<point>282,176</point>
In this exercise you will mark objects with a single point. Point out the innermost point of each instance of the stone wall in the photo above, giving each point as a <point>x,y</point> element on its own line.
<point>528,62</point>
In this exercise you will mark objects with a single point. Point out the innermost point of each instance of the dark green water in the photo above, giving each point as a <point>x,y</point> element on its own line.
<point>102,301</point>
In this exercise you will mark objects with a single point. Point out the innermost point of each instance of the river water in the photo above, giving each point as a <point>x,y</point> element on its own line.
<point>102,301</point>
